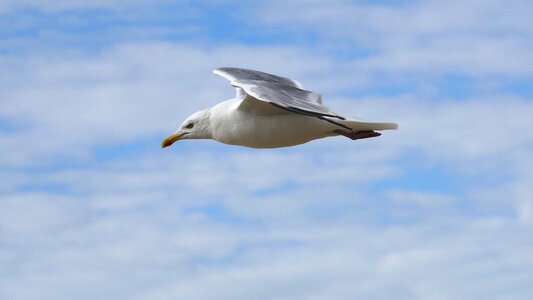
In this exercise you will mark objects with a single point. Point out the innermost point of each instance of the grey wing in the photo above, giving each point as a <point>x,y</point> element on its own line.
<point>279,91</point>
<point>233,74</point>
<point>285,97</point>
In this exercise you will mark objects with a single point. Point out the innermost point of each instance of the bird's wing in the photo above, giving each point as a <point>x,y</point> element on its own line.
<point>237,74</point>
<point>286,97</point>
<point>233,74</point>
<point>254,88</point>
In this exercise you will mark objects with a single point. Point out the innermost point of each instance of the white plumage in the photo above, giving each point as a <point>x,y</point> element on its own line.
<point>270,111</point>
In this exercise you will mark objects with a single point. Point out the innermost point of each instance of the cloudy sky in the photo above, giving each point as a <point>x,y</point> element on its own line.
<point>92,208</point>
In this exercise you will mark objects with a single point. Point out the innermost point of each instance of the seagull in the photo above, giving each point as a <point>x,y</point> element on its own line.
<point>270,111</point>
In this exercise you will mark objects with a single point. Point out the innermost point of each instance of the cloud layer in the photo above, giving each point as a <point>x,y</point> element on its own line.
<point>90,207</point>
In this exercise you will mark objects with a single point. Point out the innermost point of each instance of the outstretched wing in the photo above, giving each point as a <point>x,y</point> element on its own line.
<point>233,74</point>
<point>285,97</point>
<point>287,94</point>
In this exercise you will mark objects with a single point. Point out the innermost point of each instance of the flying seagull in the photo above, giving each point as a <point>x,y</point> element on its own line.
<point>270,111</point>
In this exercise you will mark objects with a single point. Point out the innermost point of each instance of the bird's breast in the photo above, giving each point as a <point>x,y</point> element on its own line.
<point>267,131</point>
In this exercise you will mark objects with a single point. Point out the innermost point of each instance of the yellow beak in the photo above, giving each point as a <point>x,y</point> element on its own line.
<point>171,139</point>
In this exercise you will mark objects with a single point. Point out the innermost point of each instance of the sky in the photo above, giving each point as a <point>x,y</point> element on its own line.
<point>92,208</point>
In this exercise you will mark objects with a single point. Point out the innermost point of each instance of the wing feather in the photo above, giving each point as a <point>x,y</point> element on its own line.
<point>279,91</point>
<point>233,74</point>
<point>285,97</point>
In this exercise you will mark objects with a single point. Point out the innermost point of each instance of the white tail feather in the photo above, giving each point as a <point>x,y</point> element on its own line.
<point>358,125</point>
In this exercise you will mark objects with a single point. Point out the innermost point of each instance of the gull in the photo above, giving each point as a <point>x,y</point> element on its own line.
<point>270,111</point>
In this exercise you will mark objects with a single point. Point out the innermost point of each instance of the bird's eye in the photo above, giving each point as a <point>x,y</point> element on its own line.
<point>189,126</point>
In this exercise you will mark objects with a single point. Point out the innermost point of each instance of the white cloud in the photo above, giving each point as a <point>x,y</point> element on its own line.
<point>329,219</point>
<point>172,253</point>
<point>477,38</point>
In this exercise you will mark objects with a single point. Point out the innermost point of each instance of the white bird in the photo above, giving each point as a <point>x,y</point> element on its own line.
<point>270,111</point>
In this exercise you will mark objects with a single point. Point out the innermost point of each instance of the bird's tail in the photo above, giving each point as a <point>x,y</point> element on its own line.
<point>359,125</point>
<point>358,129</point>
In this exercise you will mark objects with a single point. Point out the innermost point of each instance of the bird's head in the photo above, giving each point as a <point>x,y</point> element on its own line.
<point>195,126</point>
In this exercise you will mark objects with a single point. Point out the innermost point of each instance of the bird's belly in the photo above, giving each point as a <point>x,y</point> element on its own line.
<point>273,131</point>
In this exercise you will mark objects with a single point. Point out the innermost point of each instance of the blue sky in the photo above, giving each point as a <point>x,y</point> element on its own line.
<point>91,207</point>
